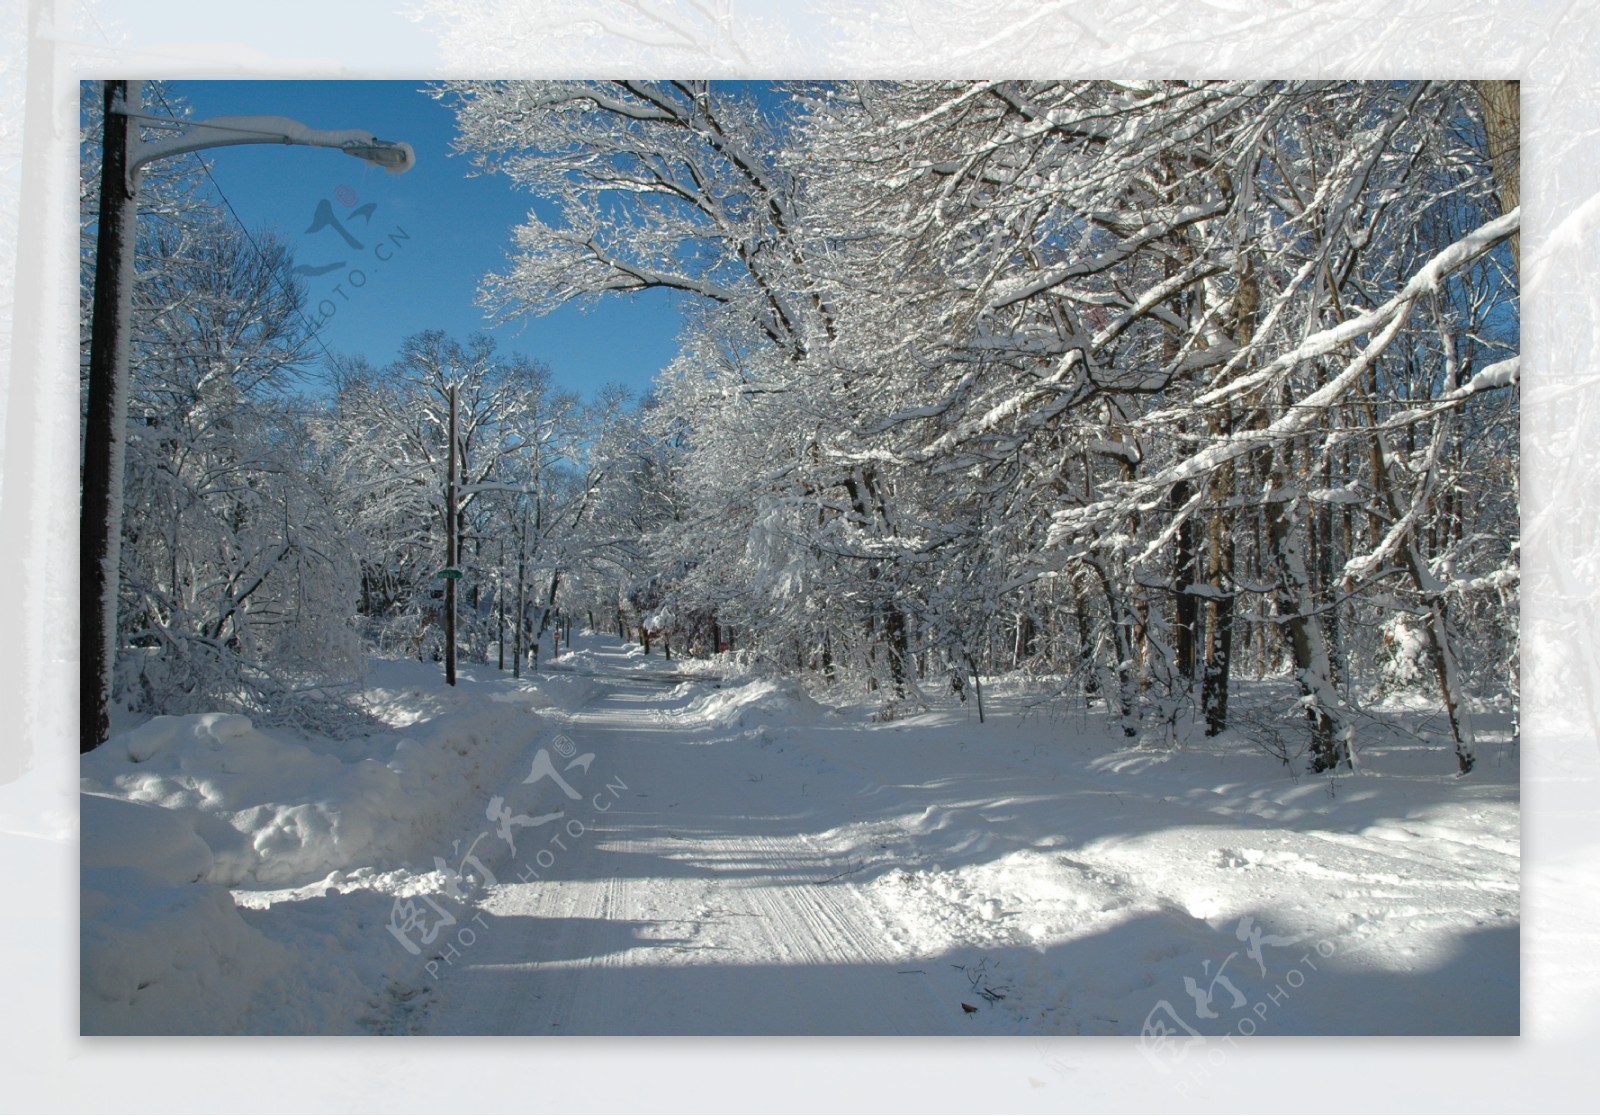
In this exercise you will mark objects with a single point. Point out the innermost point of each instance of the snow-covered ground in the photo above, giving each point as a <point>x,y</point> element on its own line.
<point>614,848</point>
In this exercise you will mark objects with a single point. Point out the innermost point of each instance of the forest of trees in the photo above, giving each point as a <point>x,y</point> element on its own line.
<point>1139,388</point>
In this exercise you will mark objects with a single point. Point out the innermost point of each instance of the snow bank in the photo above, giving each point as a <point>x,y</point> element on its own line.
<point>605,659</point>
<point>116,833</point>
<point>181,959</point>
<point>749,703</point>
<point>280,812</point>
<point>162,953</point>
<point>179,809</point>
<point>163,959</point>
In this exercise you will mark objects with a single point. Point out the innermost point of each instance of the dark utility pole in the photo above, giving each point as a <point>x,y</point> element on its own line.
<point>522,594</point>
<point>451,545</point>
<point>104,450</point>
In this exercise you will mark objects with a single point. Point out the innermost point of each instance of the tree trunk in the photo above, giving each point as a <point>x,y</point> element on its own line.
<point>1122,623</point>
<point>1027,637</point>
<point>1218,674</point>
<point>1220,573</point>
<point>522,602</point>
<point>1327,589</point>
<point>1502,122</point>
<point>977,687</point>
<point>1296,610</point>
<point>869,506</point>
<point>1440,648</point>
<point>1219,615</point>
<point>1086,666</point>
<point>1184,575</point>
<point>899,651</point>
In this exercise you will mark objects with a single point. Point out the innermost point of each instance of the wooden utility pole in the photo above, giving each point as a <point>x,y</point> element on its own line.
<point>104,448</point>
<point>522,595</point>
<point>106,402</point>
<point>451,544</point>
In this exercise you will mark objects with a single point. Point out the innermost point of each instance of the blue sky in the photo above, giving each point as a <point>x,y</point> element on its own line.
<point>426,238</point>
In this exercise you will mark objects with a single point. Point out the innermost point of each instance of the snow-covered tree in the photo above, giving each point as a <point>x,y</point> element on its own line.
<point>1161,300</point>
<point>1128,382</point>
<point>386,437</point>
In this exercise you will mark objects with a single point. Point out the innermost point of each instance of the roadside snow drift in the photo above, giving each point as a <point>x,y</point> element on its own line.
<point>179,809</point>
<point>278,812</point>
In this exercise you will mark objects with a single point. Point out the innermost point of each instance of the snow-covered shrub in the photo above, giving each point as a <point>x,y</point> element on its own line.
<point>1403,663</point>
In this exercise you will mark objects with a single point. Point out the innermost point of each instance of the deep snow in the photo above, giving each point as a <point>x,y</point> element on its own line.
<point>611,847</point>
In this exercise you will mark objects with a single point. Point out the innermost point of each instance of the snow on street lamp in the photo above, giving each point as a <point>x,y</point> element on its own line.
<point>104,450</point>
<point>231,131</point>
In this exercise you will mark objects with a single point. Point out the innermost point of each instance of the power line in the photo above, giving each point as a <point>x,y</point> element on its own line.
<point>275,271</point>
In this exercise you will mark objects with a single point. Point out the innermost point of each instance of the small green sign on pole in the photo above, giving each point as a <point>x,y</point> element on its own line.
<point>450,572</point>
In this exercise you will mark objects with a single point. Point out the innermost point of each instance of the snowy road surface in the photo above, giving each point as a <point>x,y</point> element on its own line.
<point>678,909</point>
<point>744,861</point>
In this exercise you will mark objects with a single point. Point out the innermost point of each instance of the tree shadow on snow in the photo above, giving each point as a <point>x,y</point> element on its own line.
<point>1151,978</point>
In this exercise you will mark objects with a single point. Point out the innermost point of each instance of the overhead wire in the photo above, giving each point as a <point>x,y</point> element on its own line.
<point>276,272</point>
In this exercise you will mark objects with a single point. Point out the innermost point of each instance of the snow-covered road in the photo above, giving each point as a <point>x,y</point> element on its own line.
<point>744,861</point>
<point>663,904</point>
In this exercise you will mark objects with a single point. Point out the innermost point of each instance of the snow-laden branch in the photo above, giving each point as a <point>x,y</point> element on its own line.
<point>1502,374</point>
<point>1302,415</point>
<point>1015,290</point>
<point>1463,252</point>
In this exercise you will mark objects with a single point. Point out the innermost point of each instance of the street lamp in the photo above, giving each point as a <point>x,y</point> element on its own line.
<point>230,131</point>
<point>104,450</point>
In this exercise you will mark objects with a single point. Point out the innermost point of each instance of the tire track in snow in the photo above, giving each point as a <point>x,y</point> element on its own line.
<point>1472,868</point>
<point>818,922</point>
<point>676,916</point>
